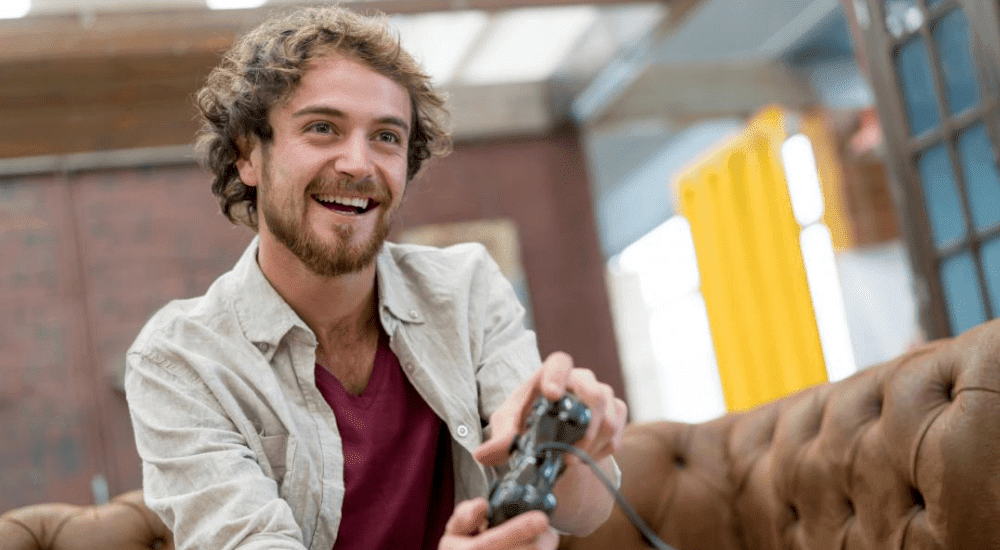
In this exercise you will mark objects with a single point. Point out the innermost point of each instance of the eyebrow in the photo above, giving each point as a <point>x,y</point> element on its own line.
<point>337,113</point>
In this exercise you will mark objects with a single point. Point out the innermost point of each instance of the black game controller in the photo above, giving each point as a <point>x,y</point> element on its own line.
<point>533,473</point>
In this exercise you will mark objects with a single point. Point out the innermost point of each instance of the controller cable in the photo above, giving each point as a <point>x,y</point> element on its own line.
<point>648,536</point>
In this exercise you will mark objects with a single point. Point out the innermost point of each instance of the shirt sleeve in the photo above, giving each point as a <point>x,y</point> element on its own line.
<point>199,474</point>
<point>510,350</point>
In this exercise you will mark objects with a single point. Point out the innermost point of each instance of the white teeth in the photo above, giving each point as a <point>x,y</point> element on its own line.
<point>346,201</point>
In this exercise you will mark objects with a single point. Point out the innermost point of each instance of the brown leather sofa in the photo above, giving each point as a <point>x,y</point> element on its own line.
<point>903,455</point>
<point>122,524</point>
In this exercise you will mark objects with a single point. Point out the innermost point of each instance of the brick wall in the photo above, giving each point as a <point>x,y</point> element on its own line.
<point>87,257</point>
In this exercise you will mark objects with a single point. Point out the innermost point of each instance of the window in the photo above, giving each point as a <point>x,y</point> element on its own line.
<point>935,87</point>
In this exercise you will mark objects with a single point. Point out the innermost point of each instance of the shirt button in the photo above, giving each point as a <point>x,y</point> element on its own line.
<point>462,430</point>
<point>414,314</point>
<point>408,368</point>
<point>263,346</point>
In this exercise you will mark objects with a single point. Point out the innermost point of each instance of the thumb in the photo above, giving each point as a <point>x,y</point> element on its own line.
<point>468,518</point>
<point>505,423</point>
<point>495,450</point>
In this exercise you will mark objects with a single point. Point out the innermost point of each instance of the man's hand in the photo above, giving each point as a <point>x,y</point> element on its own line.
<point>582,502</point>
<point>553,379</point>
<point>467,530</point>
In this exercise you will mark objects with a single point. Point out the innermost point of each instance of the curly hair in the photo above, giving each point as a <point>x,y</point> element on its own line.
<point>264,67</point>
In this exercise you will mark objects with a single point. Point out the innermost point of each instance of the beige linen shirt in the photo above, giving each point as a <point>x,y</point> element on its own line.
<point>238,447</point>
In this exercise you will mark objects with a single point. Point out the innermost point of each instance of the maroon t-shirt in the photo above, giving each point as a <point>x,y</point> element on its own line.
<point>398,479</point>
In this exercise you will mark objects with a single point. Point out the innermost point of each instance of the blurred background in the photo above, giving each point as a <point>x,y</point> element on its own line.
<point>710,203</point>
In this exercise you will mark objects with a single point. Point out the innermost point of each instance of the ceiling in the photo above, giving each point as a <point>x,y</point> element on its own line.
<point>459,41</point>
<point>91,75</point>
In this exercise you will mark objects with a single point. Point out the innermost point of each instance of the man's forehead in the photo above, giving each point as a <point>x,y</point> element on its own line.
<point>327,57</point>
<point>336,65</point>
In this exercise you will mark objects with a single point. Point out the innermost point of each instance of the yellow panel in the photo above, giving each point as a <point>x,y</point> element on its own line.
<point>697,205</point>
<point>752,276</point>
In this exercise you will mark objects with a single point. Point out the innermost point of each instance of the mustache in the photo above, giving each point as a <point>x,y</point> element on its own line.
<point>350,186</point>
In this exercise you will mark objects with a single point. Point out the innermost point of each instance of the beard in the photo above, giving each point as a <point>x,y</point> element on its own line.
<point>326,258</point>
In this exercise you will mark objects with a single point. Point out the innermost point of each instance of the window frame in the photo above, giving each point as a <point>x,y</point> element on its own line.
<point>903,150</point>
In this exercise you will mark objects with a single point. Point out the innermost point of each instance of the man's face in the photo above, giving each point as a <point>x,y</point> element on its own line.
<point>334,174</point>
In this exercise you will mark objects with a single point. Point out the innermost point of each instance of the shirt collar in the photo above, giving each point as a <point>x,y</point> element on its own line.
<point>394,292</point>
<point>264,315</point>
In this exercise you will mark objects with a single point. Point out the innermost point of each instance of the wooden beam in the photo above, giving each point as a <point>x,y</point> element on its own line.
<point>69,106</point>
<point>65,129</point>
<point>123,34</point>
<point>125,80</point>
<point>73,105</point>
<point>691,92</point>
<point>81,82</point>
<point>191,30</point>
<point>415,6</point>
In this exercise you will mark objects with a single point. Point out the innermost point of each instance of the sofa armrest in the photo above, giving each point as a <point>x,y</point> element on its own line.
<point>124,523</point>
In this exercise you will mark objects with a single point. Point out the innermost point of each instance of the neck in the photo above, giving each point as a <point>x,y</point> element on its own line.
<point>335,308</point>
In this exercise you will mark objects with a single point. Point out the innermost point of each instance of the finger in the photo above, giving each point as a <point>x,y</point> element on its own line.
<point>608,428</point>
<point>468,518</point>
<point>616,422</point>
<point>521,530</point>
<point>506,423</point>
<point>495,450</point>
<point>505,426</point>
<point>622,408</point>
<point>548,540</point>
<point>555,375</point>
<point>591,393</point>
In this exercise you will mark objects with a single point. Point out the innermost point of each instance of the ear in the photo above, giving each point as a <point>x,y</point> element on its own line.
<point>250,162</point>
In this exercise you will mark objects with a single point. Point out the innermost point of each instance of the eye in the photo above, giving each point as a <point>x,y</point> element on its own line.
<point>321,128</point>
<point>388,137</point>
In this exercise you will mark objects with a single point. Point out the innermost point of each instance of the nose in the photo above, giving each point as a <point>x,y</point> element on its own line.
<point>353,157</point>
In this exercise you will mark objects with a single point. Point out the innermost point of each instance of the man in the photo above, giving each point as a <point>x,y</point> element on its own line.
<point>332,389</point>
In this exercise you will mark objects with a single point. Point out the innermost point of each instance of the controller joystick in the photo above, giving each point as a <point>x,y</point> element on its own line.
<point>533,473</point>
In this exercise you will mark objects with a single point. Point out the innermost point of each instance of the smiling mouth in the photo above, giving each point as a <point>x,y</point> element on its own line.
<point>352,206</point>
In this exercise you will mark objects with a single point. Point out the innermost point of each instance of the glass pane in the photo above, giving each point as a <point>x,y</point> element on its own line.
<point>991,269</point>
<point>915,79</point>
<point>961,293</point>
<point>951,36</point>
<point>941,197</point>
<point>902,17</point>
<point>979,168</point>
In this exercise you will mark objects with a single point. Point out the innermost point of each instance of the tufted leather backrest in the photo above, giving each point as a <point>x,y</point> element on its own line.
<point>903,455</point>
<point>122,524</point>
